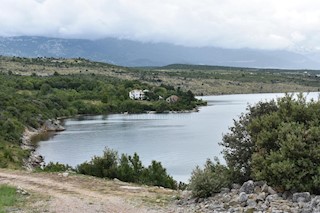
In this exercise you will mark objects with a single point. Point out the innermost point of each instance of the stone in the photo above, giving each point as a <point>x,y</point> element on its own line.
<point>301,205</point>
<point>257,189</point>
<point>251,203</point>
<point>226,198</point>
<point>276,211</point>
<point>186,194</point>
<point>259,183</point>
<point>249,210</point>
<point>264,206</point>
<point>234,191</point>
<point>271,191</point>
<point>65,174</point>
<point>224,190</point>
<point>264,188</point>
<point>315,202</point>
<point>271,198</point>
<point>247,187</point>
<point>21,191</point>
<point>236,186</point>
<point>301,197</point>
<point>286,195</point>
<point>53,125</point>
<point>307,210</point>
<point>261,196</point>
<point>243,197</point>
<point>295,210</point>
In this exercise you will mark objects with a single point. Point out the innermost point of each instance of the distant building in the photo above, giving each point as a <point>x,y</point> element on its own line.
<point>172,99</point>
<point>137,95</point>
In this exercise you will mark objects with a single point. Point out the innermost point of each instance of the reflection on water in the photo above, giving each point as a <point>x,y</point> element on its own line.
<point>180,141</point>
<point>43,137</point>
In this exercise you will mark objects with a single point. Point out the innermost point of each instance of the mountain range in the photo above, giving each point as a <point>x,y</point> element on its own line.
<point>137,54</point>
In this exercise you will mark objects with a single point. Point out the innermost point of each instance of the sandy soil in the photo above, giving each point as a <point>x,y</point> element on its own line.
<point>77,193</point>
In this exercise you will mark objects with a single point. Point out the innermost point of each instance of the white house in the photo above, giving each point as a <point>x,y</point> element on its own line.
<point>137,95</point>
<point>172,99</point>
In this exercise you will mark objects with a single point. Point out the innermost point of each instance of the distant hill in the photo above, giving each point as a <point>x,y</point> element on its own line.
<point>132,53</point>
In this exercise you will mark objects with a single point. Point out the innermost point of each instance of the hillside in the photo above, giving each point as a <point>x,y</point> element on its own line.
<point>133,53</point>
<point>201,80</point>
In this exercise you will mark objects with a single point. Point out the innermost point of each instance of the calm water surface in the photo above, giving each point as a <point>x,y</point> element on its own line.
<point>178,141</point>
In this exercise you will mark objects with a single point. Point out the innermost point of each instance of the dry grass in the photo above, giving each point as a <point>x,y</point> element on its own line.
<point>206,82</point>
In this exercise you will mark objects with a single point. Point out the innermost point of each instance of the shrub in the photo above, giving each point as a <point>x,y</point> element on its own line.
<point>209,180</point>
<point>278,142</point>
<point>156,175</point>
<point>127,168</point>
<point>56,167</point>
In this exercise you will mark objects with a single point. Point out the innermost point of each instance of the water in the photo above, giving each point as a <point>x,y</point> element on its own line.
<point>179,141</point>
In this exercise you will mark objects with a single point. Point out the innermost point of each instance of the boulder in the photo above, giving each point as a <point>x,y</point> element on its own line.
<point>301,197</point>
<point>247,187</point>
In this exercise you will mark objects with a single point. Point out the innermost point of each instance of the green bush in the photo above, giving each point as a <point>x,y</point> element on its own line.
<point>156,175</point>
<point>127,168</point>
<point>209,180</point>
<point>278,142</point>
<point>56,167</point>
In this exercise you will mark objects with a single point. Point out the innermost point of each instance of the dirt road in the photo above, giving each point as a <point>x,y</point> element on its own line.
<point>76,193</point>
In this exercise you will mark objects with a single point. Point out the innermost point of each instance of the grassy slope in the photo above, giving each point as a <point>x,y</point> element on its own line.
<point>199,79</point>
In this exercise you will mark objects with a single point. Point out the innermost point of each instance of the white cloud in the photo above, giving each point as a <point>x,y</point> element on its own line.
<point>263,24</point>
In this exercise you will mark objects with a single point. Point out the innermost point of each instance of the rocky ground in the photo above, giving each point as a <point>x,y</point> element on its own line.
<point>67,192</point>
<point>252,197</point>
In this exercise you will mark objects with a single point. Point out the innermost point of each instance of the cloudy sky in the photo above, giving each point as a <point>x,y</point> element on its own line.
<point>259,24</point>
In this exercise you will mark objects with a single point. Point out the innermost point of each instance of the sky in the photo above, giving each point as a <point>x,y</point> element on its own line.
<point>258,24</point>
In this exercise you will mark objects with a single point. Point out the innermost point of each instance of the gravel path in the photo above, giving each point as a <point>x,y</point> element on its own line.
<point>76,193</point>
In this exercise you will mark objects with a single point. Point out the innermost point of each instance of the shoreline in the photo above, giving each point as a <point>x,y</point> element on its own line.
<point>35,159</point>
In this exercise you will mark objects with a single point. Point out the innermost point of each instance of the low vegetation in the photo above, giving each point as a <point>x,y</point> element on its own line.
<point>127,168</point>
<point>275,141</point>
<point>8,197</point>
<point>209,180</point>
